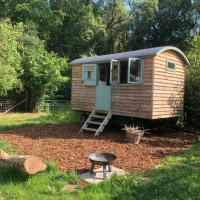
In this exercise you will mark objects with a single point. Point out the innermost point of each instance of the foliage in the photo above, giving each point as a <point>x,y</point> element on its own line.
<point>43,71</point>
<point>116,20</point>
<point>142,26</point>
<point>192,87</point>
<point>180,122</point>
<point>80,27</point>
<point>10,60</point>
<point>164,22</point>
<point>73,177</point>
<point>36,12</point>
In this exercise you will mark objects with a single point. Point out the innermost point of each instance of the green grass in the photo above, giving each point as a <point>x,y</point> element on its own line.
<point>73,177</point>
<point>16,120</point>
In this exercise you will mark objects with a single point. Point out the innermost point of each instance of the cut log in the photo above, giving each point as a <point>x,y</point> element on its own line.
<point>28,164</point>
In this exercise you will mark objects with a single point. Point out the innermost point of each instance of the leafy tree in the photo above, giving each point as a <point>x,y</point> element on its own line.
<point>143,24</point>
<point>77,35</point>
<point>192,91</point>
<point>36,12</point>
<point>2,9</point>
<point>43,71</point>
<point>10,60</point>
<point>163,22</point>
<point>116,19</point>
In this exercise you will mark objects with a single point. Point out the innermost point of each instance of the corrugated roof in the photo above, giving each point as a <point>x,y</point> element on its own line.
<point>130,54</point>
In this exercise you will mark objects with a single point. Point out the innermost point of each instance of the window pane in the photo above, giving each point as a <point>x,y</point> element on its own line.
<point>89,75</point>
<point>114,72</point>
<point>171,65</point>
<point>135,71</point>
<point>123,71</point>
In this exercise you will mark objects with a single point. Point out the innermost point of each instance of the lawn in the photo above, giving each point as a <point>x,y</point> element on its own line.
<point>177,177</point>
<point>16,120</point>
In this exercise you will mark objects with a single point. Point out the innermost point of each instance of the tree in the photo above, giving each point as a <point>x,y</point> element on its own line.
<point>36,12</point>
<point>143,24</point>
<point>10,60</point>
<point>116,19</point>
<point>43,71</point>
<point>192,87</point>
<point>163,22</point>
<point>76,36</point>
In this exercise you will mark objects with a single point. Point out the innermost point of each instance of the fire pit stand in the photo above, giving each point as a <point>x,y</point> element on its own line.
<point>104,159</point>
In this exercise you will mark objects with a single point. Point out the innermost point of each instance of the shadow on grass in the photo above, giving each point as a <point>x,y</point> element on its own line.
<point>8,175</point>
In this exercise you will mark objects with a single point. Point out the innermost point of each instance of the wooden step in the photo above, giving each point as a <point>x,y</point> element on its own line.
<point>90,129</point>
<point>98,116</point>
<point>92,122</point>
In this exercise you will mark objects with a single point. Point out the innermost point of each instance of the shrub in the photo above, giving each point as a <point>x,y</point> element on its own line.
<point>192,86</point>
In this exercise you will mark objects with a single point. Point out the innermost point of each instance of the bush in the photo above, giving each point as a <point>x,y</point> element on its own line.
<point>192,86</point>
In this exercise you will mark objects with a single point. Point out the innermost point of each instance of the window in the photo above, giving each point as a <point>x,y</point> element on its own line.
<point>89,74</point>
<point>115,71</point>
<point>135,70</point>
<point>171,65</point>
<point>104,74</point>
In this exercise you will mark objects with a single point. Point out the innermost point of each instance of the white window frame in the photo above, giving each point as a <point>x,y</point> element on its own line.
<point>141,72</point>
<point>111,68</point>
<point>173,62</point>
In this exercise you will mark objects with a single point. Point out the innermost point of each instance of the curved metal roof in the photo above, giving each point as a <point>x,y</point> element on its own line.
<point>130,54</point>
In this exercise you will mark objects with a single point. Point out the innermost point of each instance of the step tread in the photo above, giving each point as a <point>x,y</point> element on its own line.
<point>90,129</point>
<point>98,116</point>
<point>92,122</point>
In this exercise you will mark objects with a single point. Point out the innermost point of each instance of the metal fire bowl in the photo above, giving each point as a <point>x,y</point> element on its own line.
<point>102,158</point>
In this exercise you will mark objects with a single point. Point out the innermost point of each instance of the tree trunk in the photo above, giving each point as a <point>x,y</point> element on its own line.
<point>28,164</point>
<point>31,96</point>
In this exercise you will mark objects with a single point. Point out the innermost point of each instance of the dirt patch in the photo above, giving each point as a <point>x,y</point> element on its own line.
<point>70,150</point>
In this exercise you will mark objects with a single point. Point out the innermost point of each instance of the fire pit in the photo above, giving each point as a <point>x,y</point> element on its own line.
<point>104,159</point>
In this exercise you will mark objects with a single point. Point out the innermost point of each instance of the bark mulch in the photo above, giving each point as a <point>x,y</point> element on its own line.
<point>70,150</point>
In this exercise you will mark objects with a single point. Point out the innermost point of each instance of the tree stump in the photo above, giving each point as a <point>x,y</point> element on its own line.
<point>27,164</point>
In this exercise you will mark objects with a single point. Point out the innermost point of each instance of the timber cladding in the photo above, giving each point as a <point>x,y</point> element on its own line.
<point>83,97</point>
<point>168,86</point>
<point>134,100</point>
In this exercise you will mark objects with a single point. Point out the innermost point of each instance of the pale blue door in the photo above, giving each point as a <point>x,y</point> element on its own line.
<point>103,98</point>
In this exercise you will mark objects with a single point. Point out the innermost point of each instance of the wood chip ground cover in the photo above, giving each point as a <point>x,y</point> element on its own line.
<point>70,150</point>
